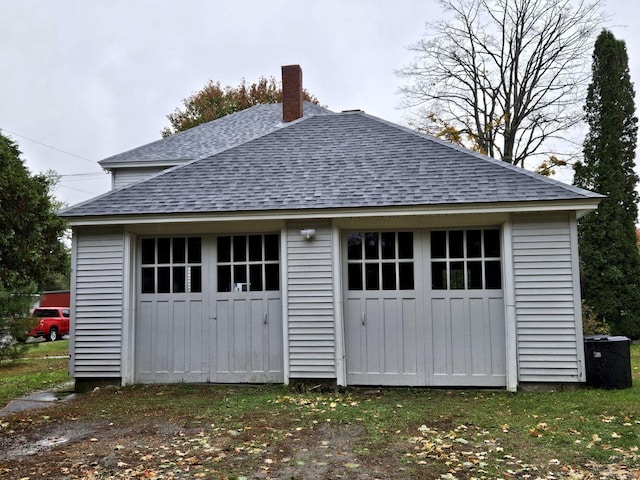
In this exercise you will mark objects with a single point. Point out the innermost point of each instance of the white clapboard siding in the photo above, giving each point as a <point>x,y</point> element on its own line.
<point>127,176</point>
<point>547,319</point>
<point>311,326</point>
<point>98,304</point>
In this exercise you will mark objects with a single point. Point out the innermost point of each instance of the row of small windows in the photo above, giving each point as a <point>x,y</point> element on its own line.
<point>248,263</point>
<point>465,260</point>
<point>380,261</point>
<point>171,265</point>
<point>460,259</point>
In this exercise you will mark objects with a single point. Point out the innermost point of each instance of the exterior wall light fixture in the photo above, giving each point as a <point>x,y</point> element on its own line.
<point>308,233</point>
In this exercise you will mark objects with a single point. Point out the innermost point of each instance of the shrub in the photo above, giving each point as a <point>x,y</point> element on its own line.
<point>592,324</point>
<point>13,333</point>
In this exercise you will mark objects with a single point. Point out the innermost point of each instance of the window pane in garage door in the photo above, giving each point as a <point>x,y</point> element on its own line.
<point>248,263</point>
<point>452,268</point>
<point>383,262</point>
<point>168,268</point>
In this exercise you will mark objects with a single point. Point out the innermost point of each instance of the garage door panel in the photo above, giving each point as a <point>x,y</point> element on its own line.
<point>222,337</point>
<point>354,335</point>
<point>169,344</point>
<point>162,346</point>
<point>374,332</point>
<point>258,336</point>
<point>459,337</point>
<point>408,351</point>
<point>392,345</point>
<point>196,338</point>
<point>467,340</point>
<point>179,349</point>
<point>144,333</point>
<point>480,331</point>
<point>439,336</point>
<point>204,317</point>
<point>253,329</point>
<point>448,331</point>
<point>381,341</point>
<point>241,336</point>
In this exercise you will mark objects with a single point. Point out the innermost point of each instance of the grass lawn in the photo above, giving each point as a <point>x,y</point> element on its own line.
<point>39,369</point>
<point>230,431</point>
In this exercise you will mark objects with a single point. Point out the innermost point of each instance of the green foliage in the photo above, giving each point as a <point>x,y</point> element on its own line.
<point>215,101</point>
<point>33,256</point>
<point>610,262</point>
<point>591,324</point>
<point>15,321</point>
<point>38,370</point>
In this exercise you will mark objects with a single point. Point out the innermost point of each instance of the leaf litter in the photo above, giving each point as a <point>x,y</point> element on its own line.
<point>309,443</point>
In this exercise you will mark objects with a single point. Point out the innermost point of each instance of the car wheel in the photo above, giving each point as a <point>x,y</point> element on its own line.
<point>53,335</point>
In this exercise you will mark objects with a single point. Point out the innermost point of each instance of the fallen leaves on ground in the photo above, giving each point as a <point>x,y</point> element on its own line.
<point>468,451</point>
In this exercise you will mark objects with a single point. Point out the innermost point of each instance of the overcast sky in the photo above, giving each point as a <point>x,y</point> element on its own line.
<point>96,78</point>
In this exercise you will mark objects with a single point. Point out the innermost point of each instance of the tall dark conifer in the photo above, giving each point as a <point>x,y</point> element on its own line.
<point>609,257</point>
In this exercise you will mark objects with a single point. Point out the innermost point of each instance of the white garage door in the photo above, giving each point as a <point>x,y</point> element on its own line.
<point>209,310</point>
<point>424,308</point>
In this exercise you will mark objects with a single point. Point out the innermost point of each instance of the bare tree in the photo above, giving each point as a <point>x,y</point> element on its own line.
<point>504,77</point>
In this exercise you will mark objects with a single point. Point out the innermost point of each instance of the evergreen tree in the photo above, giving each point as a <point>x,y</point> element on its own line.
<point>32,255</point>
<point>609,257</point>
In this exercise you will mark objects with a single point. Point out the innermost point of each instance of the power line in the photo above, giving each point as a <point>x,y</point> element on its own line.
<point>75,175</point>
<point>75,189</point>
<point>47,145</point>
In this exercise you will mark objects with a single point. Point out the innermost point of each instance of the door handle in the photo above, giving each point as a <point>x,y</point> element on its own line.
<point>266,318</point>
<point>364,318</point>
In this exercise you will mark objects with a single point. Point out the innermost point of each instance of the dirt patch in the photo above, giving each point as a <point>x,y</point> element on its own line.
<point>28,443</point>
<point>74,449</point>
<point>81,449</point>
<point>327,453</point>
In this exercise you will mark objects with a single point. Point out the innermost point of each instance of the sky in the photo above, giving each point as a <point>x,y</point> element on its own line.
<point>83,80</point>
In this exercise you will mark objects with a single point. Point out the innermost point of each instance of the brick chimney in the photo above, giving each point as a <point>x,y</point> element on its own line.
<point>291,93</point>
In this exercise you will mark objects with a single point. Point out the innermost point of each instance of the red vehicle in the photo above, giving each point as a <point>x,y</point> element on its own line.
<point>54,323</point>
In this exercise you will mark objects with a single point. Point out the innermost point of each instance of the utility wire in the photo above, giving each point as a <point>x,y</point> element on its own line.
<point>84,175</point>
<point>47,145</point>
<point>75,189</point>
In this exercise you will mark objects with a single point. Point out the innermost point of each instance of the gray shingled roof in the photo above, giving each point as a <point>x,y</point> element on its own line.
<point>331,161</point>
<point>211,137</point>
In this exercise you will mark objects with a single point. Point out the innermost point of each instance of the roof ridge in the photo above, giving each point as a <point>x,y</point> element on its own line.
<point>175,135</point>
<point>194,131</point>
<point>281,126</point>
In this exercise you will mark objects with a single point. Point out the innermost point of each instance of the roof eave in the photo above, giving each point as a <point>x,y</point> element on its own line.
<point>580,206</point>
<point>144,163</point>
